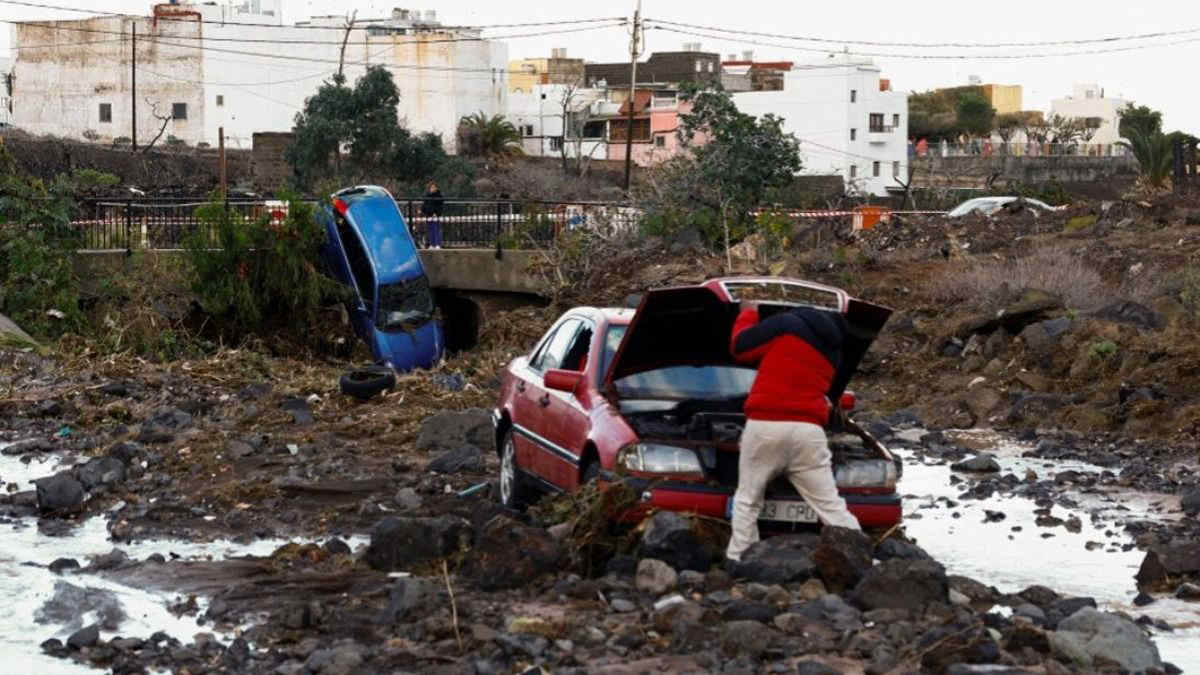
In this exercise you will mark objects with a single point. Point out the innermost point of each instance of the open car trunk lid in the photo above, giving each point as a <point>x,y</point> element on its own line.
<point>692,325</point>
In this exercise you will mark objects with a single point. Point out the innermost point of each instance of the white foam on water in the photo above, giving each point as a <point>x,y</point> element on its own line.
<point>1012,561</point>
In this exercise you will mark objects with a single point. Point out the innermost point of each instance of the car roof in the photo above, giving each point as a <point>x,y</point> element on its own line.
<point>614,315</point>
<point>377,218</point>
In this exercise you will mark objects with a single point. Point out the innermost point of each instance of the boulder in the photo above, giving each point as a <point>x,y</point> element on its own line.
<point>745,637</point>
<point>59,492</point>
<point>398,542</point>
<point>831,610</point>
<point>898,548</point>
<point>669,537</point>
<point>842,557</point>
<point>981,463</point>
<point>779,560</point>
<point>1130,313</point>
<point>410,599</point>
<point>981,401</point>
<point>1190,501</point>
<point>1108,637</point>
<point>100,471</point>
<point>654,576</point>
<point>14,332</point>
<point>84,637</point>
<point>1042,337</point>
<point>509,554</point>
<point>451,430</point>
<point>1161,562</point>
<point>162,426</point>
<point>464,459</point>
<point>902,584</point>
<point>1013,318</point>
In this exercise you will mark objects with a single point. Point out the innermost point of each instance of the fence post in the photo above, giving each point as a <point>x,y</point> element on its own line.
<point>1177,157</point>
<point>128,225</point>
<point>499,221</point>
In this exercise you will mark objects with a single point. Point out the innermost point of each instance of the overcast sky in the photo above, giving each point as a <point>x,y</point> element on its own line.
<point>1160,77</point>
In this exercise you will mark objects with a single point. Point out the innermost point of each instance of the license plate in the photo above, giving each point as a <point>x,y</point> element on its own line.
<point>788,511</point>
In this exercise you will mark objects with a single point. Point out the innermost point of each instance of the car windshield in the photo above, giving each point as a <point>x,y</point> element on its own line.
<point>688,382</point>
<point>404,305</point>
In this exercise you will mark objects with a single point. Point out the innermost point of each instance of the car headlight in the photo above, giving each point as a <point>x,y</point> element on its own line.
<point>655,458</point>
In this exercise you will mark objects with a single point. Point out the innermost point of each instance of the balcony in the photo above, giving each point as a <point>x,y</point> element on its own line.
<point>879,133</point>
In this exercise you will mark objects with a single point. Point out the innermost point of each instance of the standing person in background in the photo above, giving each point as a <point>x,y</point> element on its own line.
<point>431,207</point>
<point>797,352</point>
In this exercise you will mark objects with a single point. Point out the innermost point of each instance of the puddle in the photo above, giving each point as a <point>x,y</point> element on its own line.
<point>994,554</point>
<point>26,588</point>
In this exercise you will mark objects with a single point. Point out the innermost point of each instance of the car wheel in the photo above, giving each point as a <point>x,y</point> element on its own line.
<point>364,383</point>
<point>590,473</point>
<point>514,493</point>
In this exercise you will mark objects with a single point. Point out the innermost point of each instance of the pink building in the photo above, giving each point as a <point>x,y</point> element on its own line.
<point>655,126</point>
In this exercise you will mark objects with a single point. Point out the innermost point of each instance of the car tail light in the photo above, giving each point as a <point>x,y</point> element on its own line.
<point>341,206</point>
<point>848,400</point>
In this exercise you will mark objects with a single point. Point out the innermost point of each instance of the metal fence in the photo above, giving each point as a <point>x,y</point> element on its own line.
<point>466,223</point>
<point>987,148</point>
<point>1185,166</point>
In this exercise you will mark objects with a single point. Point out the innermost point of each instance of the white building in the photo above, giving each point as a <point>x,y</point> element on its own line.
<point>539,116</point>
<point>1089,100</point>
<point>848,120</point>
<point>205,66</point>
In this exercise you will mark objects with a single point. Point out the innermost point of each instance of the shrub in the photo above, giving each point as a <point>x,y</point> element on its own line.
<point>251,275</point>
<point>1104,348</point>
<point>1053,269</point>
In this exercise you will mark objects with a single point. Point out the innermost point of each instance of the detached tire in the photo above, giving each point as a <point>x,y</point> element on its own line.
<point>365,383</point>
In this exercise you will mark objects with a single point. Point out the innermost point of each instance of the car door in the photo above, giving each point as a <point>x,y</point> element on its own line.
<point>566,418</point>
<point>362,314</point>
<point>539,425</point>
<point>530,397</point>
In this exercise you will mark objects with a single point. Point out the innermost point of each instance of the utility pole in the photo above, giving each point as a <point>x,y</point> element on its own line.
<point>133,88</point>
<point>224,181</point>
<point>634,48</point>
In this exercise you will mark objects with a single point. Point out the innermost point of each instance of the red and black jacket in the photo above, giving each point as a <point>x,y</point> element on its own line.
<point>797,352</point>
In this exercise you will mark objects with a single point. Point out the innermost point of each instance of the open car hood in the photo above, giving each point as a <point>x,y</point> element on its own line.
<point>692,325</point>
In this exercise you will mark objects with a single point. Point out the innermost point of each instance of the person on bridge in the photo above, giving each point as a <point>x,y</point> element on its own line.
<point>797,351</point>
<point>431,207</point>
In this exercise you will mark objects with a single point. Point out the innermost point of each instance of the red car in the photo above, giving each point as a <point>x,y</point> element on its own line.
<point>655,398</point>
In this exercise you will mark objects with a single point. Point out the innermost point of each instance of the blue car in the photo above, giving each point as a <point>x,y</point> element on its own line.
<point>369,248</point>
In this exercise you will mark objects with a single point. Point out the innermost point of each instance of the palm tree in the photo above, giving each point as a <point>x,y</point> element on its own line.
<point>1153,153</point>
<point>480,135</point>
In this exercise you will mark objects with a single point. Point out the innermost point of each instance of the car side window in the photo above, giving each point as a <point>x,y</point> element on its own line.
<point>360,265</point>
<point>577,355</point>
<point>556,347</point>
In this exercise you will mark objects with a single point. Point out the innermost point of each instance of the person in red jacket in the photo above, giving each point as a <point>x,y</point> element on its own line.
<point>797,352</point>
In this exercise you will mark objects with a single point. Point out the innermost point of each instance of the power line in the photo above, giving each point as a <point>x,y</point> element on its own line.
<point>940,45</point>
<point>528,24</point>
<point>935,57</point>
<point>335,43</point>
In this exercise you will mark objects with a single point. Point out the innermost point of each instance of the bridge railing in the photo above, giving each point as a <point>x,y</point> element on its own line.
<point>466,223</point>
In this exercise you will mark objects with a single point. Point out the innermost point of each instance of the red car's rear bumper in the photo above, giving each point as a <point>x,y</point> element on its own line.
<point>715,502</point>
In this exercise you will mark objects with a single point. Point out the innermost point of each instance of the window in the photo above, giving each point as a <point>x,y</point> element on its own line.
<point>853,171</point>
<point>875,169</point>
<point>896,121</point>
<point>555,349</point>
<point>556,143</point>
<point>527,129</point>
<point>853,95</point>
<point>699,66</point>
<point>854,134</point>
<point>660,141</point>
<point>710,66</point>
<point>360,264</point>
<point>179,111</point>
<point>876,122</point>
<point>895,169</point>
<point>105,112</point>
<point>594,129</point>
<point>220,100</point>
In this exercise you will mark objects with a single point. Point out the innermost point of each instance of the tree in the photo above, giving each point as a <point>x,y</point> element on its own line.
<point>1139,119</point>
<point>1154,155</point>
<point>1007,126</point>
<point>483,136</point>
<point>358,131</point>
<point>730,161</point>
<point>974,114</point>
<point>1064,131</point>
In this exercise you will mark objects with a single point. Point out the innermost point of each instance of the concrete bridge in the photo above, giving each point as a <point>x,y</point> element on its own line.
<point>482,271</point>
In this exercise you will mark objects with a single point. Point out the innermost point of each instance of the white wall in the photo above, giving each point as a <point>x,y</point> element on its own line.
<point>542,110</point>
<point>816,106</point>
<point>262,85</point>
<point>1089,100</point>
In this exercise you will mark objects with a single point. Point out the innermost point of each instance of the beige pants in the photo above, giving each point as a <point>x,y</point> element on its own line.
<point>797,449</point>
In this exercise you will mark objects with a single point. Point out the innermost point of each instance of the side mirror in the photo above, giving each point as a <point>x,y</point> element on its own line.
<point>563,380</point>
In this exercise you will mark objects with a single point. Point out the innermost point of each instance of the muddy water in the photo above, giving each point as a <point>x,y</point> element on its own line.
<point>26,584</point>
<point>1011,560</point>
